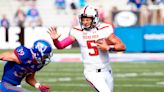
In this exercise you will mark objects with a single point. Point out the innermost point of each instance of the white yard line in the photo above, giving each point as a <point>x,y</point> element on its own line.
<point>125,78</point>
<point>152,74</point>
<point>117,85</point>
<point>126,75</point>
<point>117,75</point>
<point>160,83</point>
<point>139,85</point>
<point>138,79</point>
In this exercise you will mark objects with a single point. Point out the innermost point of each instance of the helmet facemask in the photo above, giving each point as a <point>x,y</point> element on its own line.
<point>86,27</point>
<point>46,58</point>
<point>42,52</point>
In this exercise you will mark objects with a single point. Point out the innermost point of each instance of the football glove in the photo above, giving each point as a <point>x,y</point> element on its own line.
<point>43,88</point>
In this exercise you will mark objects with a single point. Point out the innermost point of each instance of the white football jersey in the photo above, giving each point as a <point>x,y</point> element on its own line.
<point>91,55</point>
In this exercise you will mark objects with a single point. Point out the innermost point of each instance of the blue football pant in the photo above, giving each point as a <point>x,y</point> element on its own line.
<point>6,87</point>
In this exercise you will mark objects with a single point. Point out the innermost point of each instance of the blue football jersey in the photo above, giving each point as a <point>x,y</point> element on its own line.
<point>14,73</point>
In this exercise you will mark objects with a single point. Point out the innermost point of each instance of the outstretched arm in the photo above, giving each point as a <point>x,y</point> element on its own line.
<point>64,43</point>
<point>30,79</point>
<point>60,44</point>
<point>9,56</point>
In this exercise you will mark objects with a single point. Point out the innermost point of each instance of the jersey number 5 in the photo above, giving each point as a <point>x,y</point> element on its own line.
<point>90,46</point>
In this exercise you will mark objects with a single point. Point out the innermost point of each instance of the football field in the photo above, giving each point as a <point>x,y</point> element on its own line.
<point>128,77</point>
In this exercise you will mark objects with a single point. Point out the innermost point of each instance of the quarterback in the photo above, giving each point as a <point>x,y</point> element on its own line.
<point>95,40</point>
<point>24,63</point>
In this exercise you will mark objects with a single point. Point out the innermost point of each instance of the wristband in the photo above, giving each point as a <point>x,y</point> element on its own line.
<point>111,48</point>
<point>37,85</point>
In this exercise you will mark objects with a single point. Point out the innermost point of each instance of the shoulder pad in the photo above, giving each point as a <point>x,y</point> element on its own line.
<point>23,53</point>
<point>105,25</point>
<point>78,28</point>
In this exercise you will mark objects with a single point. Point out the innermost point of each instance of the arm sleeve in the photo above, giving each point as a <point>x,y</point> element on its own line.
<point>64,43</point>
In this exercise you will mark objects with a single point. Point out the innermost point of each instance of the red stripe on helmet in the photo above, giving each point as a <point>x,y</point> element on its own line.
<point>85,9</point>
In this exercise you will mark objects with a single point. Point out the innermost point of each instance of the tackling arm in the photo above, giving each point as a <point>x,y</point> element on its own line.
<point>30,79</point>
<point>9,56</point>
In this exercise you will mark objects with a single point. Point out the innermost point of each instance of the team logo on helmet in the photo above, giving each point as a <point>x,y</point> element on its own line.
<point>42,49</point>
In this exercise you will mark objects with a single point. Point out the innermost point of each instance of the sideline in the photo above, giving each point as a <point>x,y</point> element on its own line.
<point>114,57</point>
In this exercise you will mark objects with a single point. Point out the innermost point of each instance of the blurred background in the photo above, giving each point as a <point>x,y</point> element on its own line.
<point>138,23</point>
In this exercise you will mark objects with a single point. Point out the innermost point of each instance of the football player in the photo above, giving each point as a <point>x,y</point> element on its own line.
<point>95,40</point>
<point>24,63</point>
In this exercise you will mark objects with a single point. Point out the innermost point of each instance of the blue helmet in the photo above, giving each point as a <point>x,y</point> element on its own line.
<point>42,51</point>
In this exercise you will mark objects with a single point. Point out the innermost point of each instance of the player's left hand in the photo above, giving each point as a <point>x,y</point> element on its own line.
<point>102,44</point>
<point>44,88</point>
<point>53,33</point>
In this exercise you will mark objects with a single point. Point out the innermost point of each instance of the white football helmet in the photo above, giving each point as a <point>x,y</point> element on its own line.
<point>89,11</point>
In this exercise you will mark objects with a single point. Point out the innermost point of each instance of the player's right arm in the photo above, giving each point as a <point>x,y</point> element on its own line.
<point>118,45</point>
<point>60,44</point>
<point>9,56</point>
<point>30,79</point>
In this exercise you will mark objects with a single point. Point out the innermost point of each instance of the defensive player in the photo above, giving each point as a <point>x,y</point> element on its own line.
<point>97,69</point>
<point>24,63</point>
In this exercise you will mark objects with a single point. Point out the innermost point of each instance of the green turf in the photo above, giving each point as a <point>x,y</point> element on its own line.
<point>128,77</point>
<point>75,50</point>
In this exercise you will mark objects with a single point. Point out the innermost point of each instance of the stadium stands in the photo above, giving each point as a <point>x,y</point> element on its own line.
<point>48,12</point>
